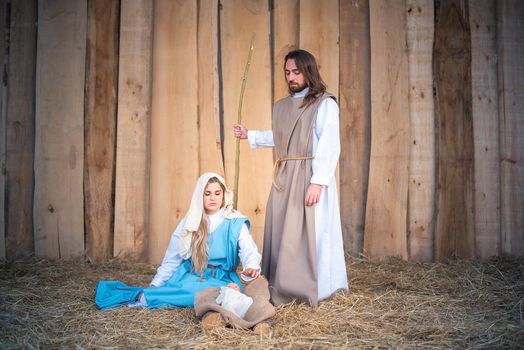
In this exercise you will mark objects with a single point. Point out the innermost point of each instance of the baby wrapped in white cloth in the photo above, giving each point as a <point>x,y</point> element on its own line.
<point>231,299</point>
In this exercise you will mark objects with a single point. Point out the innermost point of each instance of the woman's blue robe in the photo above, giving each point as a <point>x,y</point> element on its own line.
<point>181,288</point>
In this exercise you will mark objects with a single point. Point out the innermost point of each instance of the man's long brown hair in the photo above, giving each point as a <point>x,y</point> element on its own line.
<point>307,65</point>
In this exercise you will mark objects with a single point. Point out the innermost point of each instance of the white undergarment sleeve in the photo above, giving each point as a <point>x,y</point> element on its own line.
<point>172,258</point>
<point>260,138</point>
<point>326,143</point>
<point>248,252</point>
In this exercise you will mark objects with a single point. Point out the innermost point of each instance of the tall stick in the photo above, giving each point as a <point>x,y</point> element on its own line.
<point>239,118</point>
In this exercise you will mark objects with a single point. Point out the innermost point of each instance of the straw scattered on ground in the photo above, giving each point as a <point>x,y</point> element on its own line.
<point>462,304</point>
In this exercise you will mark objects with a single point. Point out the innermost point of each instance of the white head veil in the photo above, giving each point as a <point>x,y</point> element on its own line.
<point>196,209</point>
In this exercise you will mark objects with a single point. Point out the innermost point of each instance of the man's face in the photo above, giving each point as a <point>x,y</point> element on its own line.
<point>294,77</point>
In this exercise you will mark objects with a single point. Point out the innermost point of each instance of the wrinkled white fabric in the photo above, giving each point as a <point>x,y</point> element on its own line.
<point>196,209</point>
<point>234,301</point>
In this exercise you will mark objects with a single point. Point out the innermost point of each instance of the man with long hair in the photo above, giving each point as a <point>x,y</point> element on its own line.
<point>303,255</point>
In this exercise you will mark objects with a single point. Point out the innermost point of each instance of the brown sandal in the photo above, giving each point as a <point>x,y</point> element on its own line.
<point>263,328</point>
<point>213,320</point>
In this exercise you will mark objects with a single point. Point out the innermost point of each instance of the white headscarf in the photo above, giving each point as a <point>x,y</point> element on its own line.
<point>196,209</point>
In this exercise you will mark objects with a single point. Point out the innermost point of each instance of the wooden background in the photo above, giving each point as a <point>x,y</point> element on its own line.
<point>111,110</point>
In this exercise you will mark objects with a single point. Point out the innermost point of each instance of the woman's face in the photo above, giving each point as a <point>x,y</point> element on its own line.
<point>213,198</point>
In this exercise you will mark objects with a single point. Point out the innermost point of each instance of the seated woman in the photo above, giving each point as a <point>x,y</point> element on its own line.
<point>204,251</point>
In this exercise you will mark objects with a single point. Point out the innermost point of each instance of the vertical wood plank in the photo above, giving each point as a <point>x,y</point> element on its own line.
<point>59,118</point>
<point>355,120</point>
<point>510,36</point>
<point>421,197</point>
<point>210,144</point>
<point>319,35</point>
<point>3,124</point>
<point>484,90</point>
<point>386,209</point>
<point>454,230</point>
<point>239,19</point>
<point>20,130</point>
<point>174,127</point>
<point>100,126</point>
<point>286,26</point>
<point>133,127</point>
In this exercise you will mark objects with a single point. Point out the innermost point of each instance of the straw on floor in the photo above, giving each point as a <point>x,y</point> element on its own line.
<point>461,304</point>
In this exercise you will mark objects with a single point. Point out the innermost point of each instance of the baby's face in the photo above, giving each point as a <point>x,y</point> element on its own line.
<point>234,286</point>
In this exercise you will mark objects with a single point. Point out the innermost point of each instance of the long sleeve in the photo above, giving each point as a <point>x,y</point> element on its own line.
<point>326,149</point>
<point>248,252</point>
<point>172,258</point>
<point>260,138</point>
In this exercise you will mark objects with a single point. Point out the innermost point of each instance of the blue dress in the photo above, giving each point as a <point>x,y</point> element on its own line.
<point>181,288</point>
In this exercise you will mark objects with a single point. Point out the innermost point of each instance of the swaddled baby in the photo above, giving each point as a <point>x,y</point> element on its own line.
<point>231,299</point>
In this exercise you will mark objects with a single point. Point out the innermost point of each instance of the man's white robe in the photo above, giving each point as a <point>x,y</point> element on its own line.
<point>326,150</point>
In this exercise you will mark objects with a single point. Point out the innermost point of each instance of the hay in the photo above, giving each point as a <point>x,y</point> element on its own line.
<point>463,304</point>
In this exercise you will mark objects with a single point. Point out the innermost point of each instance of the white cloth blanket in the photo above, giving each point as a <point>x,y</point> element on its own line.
<point>234,301</point>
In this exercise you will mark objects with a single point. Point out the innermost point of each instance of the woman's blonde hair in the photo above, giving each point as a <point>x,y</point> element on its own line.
<point>199,238</point>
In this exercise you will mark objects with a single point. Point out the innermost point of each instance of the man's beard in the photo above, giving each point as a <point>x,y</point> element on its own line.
<point>294,87</point>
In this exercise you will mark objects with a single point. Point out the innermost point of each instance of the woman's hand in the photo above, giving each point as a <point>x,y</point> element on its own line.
<point>251,273</point>
<point>240,131</point>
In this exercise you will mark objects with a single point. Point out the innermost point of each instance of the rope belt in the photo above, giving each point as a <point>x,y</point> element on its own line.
<point>276,168</point>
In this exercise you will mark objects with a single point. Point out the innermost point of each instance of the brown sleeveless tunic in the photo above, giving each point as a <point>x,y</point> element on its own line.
<point>289,257</point>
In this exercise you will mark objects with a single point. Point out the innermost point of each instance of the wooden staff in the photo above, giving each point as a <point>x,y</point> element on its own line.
<point>239,118</point>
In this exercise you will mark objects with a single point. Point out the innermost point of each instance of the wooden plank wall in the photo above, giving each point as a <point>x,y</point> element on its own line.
<point>321,39</point>
<point>484,90</point>
<point>174,124</point>
<point>510,36</point>
<point>20,129</point>
<point>133,125</point>
<point>239,19</point>
<point>100,126</point>
<point>421,182</point>
<point>286,30</point>
<point>355,120</point>
<point>210,144</point>
<point>59,126</point>
<point>3,124</point>
<point>387,199</point>
<point>185,132</point>
<point>430,95</point>
<point>454,230</point>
